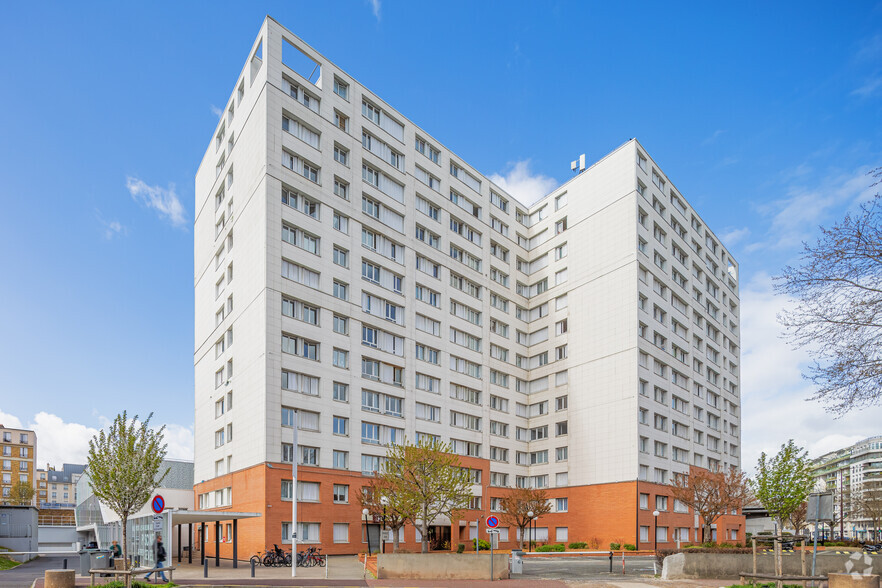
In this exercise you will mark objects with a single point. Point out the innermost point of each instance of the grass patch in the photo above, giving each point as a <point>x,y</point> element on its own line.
<point>137,584</point>
<point>5,562</point>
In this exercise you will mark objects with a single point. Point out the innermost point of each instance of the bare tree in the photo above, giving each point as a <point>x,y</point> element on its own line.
<point>868,503</point>
<point>838,317</point>
<point>394,512</point>
<point>711,494</point>
<point>798,518</point>
<point>520,502</point>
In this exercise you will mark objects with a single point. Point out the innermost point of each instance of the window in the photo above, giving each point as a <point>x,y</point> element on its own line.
<point>341,358</point>
<point>341,223</point>
<point>341,290</point>
<point>341,460</point>
<point>341,89</point>
<point>341,324</point>
<point>341,392</point>
<point>560,226</point>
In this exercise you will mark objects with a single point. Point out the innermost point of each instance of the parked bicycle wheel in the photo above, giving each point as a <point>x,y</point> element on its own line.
<point>268,560</point>
<point>255,559</point>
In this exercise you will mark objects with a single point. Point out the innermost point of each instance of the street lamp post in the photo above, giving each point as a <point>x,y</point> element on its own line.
<point>530,539</point>
<point>385,502</point>
<point>367,531</point>
<point>655,531</point>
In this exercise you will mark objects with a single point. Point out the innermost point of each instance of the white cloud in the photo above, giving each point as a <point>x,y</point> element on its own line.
<point>774,395</point>
<point>8,420</point>
<point>795,218</point>
<point>180,441</point>
<point>216,111</point>
<point>869,88</point>
<point>375,8</point>
<point>733,236</point>
<point>163,201</point>
<point>110,229</point>
<point>713,137</point>
<point>60,442</point>
<point>524,186</point>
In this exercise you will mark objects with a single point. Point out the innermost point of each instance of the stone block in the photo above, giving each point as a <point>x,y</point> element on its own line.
<point>853,581</point>
<point>59,579</point>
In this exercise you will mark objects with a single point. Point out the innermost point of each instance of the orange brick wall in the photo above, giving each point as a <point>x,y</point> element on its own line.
<point>601,512</point>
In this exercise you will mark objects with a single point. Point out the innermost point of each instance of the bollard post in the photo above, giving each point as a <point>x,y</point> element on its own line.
<point>64,564</point>
<point>252,568</point>
<point>623,562</point>
<point>610,561</point>
<point>205,568</point>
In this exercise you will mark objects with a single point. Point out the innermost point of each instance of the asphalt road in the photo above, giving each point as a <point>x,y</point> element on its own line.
<point>24,575</point>
<point>585,568</point>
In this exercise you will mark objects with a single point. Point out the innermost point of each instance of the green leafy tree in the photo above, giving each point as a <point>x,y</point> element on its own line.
<point>837,287</point>
<point>22,493</point>
<point>123,466</point>
<point>783,482</point>
<point>425,481</point>
<point>521,501</point>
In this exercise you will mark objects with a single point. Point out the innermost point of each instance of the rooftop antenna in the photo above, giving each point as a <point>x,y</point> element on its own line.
<point>578,166</point>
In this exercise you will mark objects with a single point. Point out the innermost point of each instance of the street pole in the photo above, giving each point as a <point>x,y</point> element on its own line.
<point>655,540</point>
<point>530,538</point>
<point>385,502</point>
<point>367,532</point>
<point>294,499</point>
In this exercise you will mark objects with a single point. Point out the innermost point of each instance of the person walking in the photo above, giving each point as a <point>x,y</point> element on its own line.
<point>159,558</point>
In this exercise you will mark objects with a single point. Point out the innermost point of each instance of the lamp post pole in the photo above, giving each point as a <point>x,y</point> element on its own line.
<point>530,525</point>
<point>294,450</point>
<point>367,532</point>
<point>655,536</point>
<point>385,502</point>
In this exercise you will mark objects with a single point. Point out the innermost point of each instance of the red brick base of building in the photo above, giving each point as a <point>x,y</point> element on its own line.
<point>597,514</point>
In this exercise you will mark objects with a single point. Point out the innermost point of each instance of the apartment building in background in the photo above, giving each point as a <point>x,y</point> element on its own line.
<point>18,449</point>
<point>58,488</point>
<point>351,268</point>
<point>854,475</point>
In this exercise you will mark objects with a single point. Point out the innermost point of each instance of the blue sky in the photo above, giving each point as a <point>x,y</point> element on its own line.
<point>766,116</point>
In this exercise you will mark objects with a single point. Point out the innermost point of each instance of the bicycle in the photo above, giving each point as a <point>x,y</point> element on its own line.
<point>256,559</point>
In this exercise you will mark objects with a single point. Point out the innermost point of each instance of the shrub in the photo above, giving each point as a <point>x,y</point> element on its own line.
<point>615,546</point>
<point>578,545</point>
<point>630,547</point>
<point>555,547</point>
<point>482,544</point>
<point>460,548</point>
<point>594,543</point>
<point>137,584</point>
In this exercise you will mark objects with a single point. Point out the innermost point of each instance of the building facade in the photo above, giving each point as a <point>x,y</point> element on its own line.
<point>57,488</point>
<point>351,268</point>
<point>18,458</point>
<point>854,476</point>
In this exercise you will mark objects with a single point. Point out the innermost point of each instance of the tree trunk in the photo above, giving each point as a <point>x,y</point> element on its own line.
<point>424,540</point>
<point>125,520</point>
<point>395,540</point>
<point>521,540</point>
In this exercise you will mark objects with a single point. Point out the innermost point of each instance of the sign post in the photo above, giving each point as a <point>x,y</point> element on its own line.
<point>492,523</point>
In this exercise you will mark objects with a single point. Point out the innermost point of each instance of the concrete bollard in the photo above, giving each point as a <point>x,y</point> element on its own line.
<point>853,581</point>
<point>59,579</point>
<point>252,568</point>
<point>205,569</point>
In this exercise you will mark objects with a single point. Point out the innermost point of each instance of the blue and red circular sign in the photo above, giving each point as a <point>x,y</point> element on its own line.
<point>492,522</point>
<point>157,504</point>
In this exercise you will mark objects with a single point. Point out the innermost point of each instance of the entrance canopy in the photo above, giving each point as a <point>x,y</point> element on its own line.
<point>192,517</point>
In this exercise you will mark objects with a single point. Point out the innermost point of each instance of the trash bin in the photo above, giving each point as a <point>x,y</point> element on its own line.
<point>93,559</point>
<point>517,561</point>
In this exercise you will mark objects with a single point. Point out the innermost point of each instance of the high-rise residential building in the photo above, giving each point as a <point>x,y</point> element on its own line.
<point>854,476</point>
<point>350,267</point>
<point>18,456</point>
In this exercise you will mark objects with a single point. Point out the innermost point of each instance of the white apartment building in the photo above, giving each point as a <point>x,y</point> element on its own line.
<point>351,267</point>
